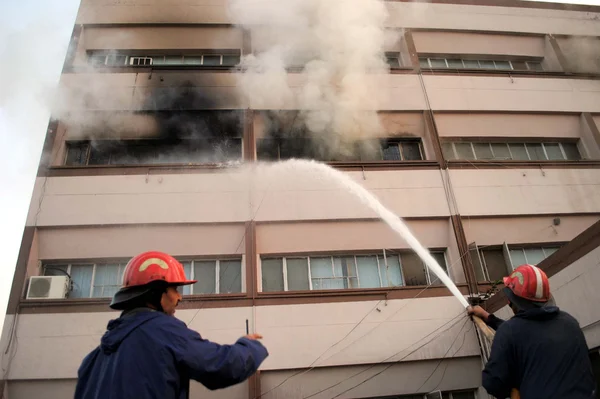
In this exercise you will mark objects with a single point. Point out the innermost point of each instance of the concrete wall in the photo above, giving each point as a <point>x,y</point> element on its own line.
<point>401,15</point>
<point>478,44</point>
<point>526,191</point>
<point>51,346</point>
<point>285,192</point>
<point>65,388</point>
<point>525,230</point>
<point>508,125</point>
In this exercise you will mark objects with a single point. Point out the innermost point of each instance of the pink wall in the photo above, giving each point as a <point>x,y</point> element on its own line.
<point>508,125</point>
<point>478,44</point>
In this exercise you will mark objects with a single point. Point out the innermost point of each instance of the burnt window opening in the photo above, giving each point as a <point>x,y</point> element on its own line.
<point>274,149</point>
<point>228,58</point>
<point>184,138</point>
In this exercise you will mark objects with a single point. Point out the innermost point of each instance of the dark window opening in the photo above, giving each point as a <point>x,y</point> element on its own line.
<point>185,138</point>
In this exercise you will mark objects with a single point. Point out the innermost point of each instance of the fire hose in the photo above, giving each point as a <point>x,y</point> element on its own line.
<point>489,334</point>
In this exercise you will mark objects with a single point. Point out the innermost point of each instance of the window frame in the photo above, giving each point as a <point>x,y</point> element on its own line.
<point>130,59</point>
<point>427,60</point>
<point>55,265</point>
<point>217,281</point>
<point>428,274</point>
<point>526,146</point>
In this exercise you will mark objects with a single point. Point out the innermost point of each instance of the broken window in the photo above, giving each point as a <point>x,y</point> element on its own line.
<point>77,153</point>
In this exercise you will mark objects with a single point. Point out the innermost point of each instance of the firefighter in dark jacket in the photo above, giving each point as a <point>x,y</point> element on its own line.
<point>147,353</point>
<point>541,351</point>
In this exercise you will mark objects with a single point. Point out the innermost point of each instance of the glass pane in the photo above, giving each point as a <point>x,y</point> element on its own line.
<point>438,62</point>
<point>116,60</point>
<point>81,276</point>
<point>393,62</point>
<point>192,60</point>
<point>368,272</point>
<point>495,264</point>
<point>464,151</point>
<point>535,66</point>
<point>534,255</point>
<point>97,60</point>
<point>423,63</point>
<point>391,152</point>
<point>413,268</point>
<point>107,280</point>
<point>483,150</point>
<point>205,273</point>
<point>455,63</point>
<point>173,60</point>
<point>272,275</point>
<point>393,273</point>
<point>345,268</point>
<point>55,270</point>
<point>297,274</point>
<point>211,60</point>
<point>230,276</point>
<point>411,151</point>
<point>536,152</point>
<point>504,65</point>
<point>472,64</point>
<point>553,151</point>
<point>571,151</point>
<point>158,60</point>
<point>76,154</point>
<point>517,258</point>
<point>549,251</point>
<point>518,152</point>
<point>187,268</point>
<point>448,150</point>
<point>487,64</point>
<point>500,151</point>
<point>519,65</point>
<point>231,60</point>
<point>441,260</point>
<point>322,274</point>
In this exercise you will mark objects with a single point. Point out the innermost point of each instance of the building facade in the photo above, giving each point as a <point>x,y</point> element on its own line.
<point>489,148</point>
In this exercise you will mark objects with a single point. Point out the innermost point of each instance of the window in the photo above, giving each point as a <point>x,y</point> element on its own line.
<point>493,263</point>
<point>223,276</point>
<point>272,149</point>
<point>90,280</point>
<point>209,60</point>
<point>393,60</point>
<point>551,151</point>
<point>501,65</point>
<point>302,273</point>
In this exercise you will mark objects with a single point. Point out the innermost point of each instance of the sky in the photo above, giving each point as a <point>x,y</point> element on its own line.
<point>34,35</point>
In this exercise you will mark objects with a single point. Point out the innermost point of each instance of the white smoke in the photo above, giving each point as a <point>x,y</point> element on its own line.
<point>338,44</point>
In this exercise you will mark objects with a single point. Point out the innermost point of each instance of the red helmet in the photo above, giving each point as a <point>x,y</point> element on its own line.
<point>529,282</point>
<point>154,266</point>
<point>144,269</point>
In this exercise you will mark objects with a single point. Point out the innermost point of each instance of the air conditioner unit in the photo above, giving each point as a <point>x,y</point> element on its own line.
<point>48,287</point>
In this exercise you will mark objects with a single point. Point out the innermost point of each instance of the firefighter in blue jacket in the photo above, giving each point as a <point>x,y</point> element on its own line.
<point>541,351</point>
<point>147,353</point>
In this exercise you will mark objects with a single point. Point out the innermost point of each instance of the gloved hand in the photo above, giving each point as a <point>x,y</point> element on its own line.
<point>478,311</point>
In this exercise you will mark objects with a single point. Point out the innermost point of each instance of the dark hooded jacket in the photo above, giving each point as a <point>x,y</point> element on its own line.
<point>147,354</point>
<point>542,352</point>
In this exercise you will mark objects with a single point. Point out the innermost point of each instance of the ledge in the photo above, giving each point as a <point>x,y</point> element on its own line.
<point>100,170</point>
<point>93,305</point>
<point>478,164</point>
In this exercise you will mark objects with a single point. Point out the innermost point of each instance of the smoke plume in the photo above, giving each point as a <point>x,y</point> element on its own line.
<point>337,44</point>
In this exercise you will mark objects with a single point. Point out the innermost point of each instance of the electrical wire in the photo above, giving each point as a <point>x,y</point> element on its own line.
<point>454,319</point>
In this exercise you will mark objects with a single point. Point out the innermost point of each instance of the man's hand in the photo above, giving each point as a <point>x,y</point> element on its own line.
<point>254,336</point>
<point>478,311</point>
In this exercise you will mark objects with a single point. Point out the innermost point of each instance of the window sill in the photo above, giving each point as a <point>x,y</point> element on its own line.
<point>478,164</point>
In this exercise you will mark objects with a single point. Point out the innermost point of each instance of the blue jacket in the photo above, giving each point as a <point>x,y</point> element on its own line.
<point>542,352</point>
<point>147,354</point>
